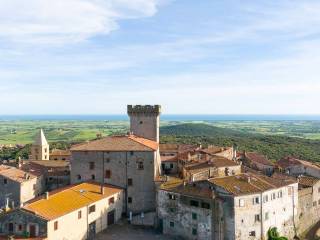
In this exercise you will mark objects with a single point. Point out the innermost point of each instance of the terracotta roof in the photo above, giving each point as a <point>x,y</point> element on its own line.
<point>15,174</point>
<point>190,190</point>
<point>291,161</point>
<point>169,158</point>
<point>69,199</point>
<point>213,162</point>
<point>258,158</point>
<point>59,152</point>
<point>118,144</point>
<point>213,149</point>
<point>51,163</point>
<point>247,183</point>
<point>307,181</point>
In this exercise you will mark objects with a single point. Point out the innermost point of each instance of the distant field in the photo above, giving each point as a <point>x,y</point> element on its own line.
<point>22,132</point>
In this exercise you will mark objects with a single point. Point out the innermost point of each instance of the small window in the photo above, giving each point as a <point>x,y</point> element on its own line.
<point>129,199</point>
<point>108,174</point>
<point>45,150</point>
<point>194,216</point>
<point>5,181</point>
<point>265,198</point>
<point>108,160</point>
<point>257,218</point>
<point>194,203</point>
<point>194,231</point>
<point>91,165</point>
<point>79,177</point>
<point>171,165</point>
<point>111,201</point>
<point>56,225</point>
<point>171,210</point>
<point>172,224</point>
<point>93,177</point>
<point>79,214</point>
<point>273,196</point>
<point>19,227</point>
<point>252,233</point>
<point>256,200</point>
<point>130,182</point>
<point>131,153</point>
<point>241,202</point>
<point>266,216</point>
<point>141,122</point>
<point>140,165</point>
<point>92,209</point>
<point>205,205</point>
<point>172,197</point>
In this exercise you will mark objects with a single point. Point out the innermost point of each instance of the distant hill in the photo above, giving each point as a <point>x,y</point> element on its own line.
<point>275,147</point>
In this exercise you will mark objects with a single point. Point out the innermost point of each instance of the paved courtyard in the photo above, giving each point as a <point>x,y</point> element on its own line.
<point>124,231</point>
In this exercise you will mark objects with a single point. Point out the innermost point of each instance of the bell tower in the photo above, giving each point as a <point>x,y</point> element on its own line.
<point>40,147</point>
<point>145,121</point>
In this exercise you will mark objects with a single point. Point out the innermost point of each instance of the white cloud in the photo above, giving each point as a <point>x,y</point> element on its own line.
<point>62,21</point>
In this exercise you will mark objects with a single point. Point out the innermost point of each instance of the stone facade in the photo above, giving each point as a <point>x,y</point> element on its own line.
<point>133,171</point>
<point>144,121</point>
<point>22,223</point>
<point>181,214</point>
<point>18,187</point>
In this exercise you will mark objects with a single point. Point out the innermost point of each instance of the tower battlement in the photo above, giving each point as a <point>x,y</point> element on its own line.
<point>144,109</point>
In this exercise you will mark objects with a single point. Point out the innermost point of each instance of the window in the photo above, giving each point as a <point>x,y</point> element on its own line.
<point>93,177</point>
<point>45,150</point>
<point>129,199</point>
<point>5,181</point>
<point>140,165</point>
<point>171,210</point>
<point>79,177</point>
<point>91,165</point>
<point>111,200</point>
<point>20,227</point>
<point>266,216</point>
<point>265,198</point>
<point>252,233</point>
<point>172,197</point>
<point>92,209</point>
<point>131,153</point>
<point>108,174</point>
<point>56,225</point>
<point>241,202</point>
<point>314,203</point>
<point>194,216</point>
<point>257,218</point>
<point>141,122</point>
<point>205,205</point>
<point>280,194</point>
<point>172,224</point>
<point>194,231</point>
<point>129,181</point>
<point>45,156</point>
<point>108,160</point>
<point>79,214</point>
<point>194,203</point>
<point>273,196</point>
<point>256,200</point>
<point>171,165</point>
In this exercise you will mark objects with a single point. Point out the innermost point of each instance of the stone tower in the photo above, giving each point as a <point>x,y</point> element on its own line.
<point>40,147</point>
<point>144,121</point>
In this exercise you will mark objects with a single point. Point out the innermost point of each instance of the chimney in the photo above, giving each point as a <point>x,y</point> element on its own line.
<point>102,190</point>
<point>47,195</point>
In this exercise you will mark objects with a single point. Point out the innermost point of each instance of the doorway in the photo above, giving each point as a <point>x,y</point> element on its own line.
<point>92,231</point>
<point>111,217</point>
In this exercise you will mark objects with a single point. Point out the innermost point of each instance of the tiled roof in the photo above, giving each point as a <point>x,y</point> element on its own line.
<point>247,183</point>
<point>307,181</point>
<point>59,152</point>
<point>213,149</point>
<point>291,161</point>
<point>258,158</point>
<point>189,190</point>
<point>118,144</point>
<point>169,158</point>
<point>15,174</point>
<point>69,199</point>
<point>213,162</point>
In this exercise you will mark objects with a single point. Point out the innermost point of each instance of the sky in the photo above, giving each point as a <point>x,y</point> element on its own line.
<point>192,57</point>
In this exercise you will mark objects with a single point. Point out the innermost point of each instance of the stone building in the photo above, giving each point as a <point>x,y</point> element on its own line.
<point>40,147</point>
<point>18,186</point>
<point>186,211</point>
<point>145,121</point>
<point>60,155</point>
<point>295,167</point>
<point>130,162</point>
<point>169,165</point>
<point>76,212</point>
<point>251,204</point>
<point>214,167</point>
<point>257,162</point>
